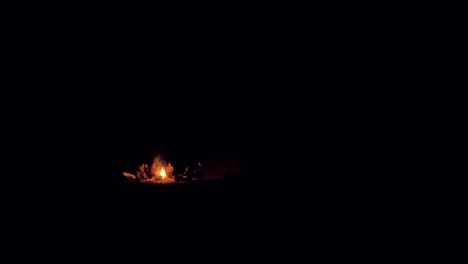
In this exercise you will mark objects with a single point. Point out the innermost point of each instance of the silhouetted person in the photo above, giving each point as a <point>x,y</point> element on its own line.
<point>169,170</point>
<point>198,171</point>
<point>141,172</point>
<point>147,172</point>
<point>188,174</point>
<point>183,176</point>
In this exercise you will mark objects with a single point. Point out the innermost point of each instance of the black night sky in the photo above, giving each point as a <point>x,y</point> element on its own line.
<point>333,143</point>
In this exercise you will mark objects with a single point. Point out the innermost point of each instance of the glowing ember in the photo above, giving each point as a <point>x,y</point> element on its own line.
<point>163,173</point>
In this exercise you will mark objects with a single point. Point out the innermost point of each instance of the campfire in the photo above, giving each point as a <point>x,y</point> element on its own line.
<point>160,171</point>
<point>163,173</point>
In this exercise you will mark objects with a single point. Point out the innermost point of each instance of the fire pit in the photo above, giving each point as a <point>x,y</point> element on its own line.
<point>160,171</point>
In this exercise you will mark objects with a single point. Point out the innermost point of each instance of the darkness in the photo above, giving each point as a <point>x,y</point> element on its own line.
<point>229,8</point>
<point>329,144</point>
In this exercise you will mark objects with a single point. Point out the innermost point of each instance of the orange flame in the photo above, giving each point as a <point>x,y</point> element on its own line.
<point>163,173</point>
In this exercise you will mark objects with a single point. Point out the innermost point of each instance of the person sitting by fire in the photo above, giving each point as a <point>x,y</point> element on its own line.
<point>186,173</point>
<point>147,172</point>
<point>169,170</point>
<point>198,171</point>
<point>141,174</point>
<point>182,176</point>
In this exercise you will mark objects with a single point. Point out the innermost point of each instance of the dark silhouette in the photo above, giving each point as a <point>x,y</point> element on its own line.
<point>141,173</point>
<point>147,171</point>
<point>169,171</point>
<point>198,172</point>
<point>185,176</point>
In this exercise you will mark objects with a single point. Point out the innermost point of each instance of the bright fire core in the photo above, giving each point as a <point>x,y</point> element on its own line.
<point>163,173</point>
